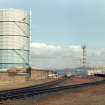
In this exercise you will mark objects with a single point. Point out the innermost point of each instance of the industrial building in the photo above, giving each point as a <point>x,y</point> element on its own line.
<point>96,71</point>
<point>14,38</point>
<point>37,74</point>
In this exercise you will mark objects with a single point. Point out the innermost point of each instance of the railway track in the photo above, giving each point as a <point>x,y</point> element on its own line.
<point>32,91</point>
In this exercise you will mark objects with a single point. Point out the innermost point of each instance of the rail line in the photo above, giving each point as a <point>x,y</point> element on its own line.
<point>32,91</point>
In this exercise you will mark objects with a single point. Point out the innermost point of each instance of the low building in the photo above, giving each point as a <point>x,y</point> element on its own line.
<point>96,71</point>
<point>16,74</point>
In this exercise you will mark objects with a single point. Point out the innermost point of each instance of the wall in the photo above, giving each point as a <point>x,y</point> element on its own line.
<point>37,74</point>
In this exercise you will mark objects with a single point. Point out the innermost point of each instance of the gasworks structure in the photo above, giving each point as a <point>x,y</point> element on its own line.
<point>14,38</point>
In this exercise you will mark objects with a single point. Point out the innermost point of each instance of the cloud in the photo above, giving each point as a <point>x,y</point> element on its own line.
<point>55,56</point>
<point>64,56</point>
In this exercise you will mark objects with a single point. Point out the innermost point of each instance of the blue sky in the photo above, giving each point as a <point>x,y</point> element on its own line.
<point>60,27</point>
<point>65,21</point>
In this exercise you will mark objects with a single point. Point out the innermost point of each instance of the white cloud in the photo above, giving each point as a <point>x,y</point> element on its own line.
<point>58,56</point>
<point>38,45</point>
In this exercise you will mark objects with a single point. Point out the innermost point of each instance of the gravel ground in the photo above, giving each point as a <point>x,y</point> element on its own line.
<point>15,85</point>
<point>87,96</point>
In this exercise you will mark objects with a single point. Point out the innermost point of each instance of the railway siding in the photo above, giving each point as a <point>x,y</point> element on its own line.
<point>43,88</point>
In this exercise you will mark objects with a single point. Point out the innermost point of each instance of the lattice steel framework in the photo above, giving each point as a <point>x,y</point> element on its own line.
<point>14,38</point>
<point>84,56</point>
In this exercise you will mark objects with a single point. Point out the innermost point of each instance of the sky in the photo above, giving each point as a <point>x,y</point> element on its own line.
<point>60,27</point>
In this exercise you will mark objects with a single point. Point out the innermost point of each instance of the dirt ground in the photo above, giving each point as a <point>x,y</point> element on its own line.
<point>87,96</point>
<point>15,85</point>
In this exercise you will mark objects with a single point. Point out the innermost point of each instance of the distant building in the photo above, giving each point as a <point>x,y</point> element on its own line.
<point>14,38</point>
<point>96,71</point>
